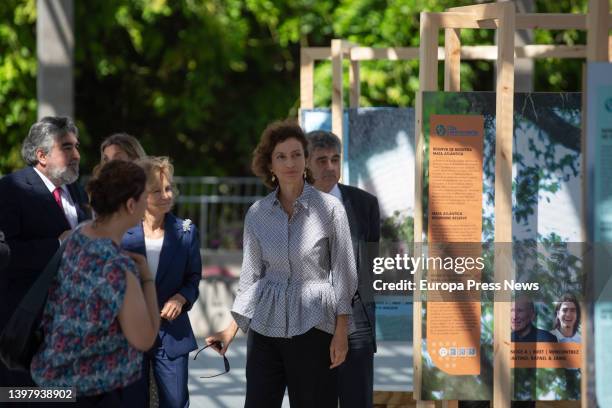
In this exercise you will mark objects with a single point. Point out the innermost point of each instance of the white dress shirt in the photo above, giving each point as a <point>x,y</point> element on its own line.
<point>69,207</point>
<point>335,191</point>
<point>153,248</point>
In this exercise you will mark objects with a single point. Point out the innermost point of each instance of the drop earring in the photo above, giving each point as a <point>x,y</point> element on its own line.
<point>273,178</point>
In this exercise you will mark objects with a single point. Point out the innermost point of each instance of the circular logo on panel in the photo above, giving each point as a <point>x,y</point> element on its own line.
<point>443,352</point>
<point>440,130</point>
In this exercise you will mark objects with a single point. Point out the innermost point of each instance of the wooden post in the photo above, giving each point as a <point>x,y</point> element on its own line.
<point>598,23</point>
<point>452,60</point>
<point>598,43</point>
<point>428,80</point>
<point>337,91</point>
<point>504,124</point>
<point>504,13</point>
<point>355,83</point>
<point>452,66</point>
<point>306,79</point>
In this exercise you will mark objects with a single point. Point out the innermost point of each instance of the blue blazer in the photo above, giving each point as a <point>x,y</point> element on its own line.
<point>31,222</point>
<point>179,271</point>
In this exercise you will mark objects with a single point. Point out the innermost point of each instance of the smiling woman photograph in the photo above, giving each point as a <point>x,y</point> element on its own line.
<point>567,320</point>
<point>172,248</point>
<point>297,281</point>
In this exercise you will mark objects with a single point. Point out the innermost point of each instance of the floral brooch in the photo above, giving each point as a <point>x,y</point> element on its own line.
<point>186,225</point>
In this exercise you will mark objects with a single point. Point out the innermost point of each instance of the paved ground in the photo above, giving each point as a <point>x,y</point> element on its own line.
<point>392,372</point>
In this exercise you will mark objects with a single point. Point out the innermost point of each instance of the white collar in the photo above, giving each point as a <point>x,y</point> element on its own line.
<point>335,191</point>
<point>48,182</point>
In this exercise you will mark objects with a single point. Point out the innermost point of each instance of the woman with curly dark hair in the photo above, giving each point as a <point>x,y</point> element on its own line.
<point>297,281</point>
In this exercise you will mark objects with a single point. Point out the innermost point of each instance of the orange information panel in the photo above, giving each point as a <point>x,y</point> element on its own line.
<point>455,219</point>
<point>546,355</point>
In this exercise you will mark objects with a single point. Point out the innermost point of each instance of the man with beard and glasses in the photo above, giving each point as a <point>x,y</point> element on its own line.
<point>39,207</point>
<point>356,374</point>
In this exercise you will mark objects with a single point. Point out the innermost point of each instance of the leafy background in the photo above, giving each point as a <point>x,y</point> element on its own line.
<point>199,79</point>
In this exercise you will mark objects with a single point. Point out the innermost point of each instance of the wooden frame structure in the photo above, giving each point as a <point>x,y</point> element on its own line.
<point>597,49</point>
<point>500,16</point>
<point>341,50</point>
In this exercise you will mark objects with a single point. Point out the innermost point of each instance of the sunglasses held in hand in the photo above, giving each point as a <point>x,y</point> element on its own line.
<point>217,346</point>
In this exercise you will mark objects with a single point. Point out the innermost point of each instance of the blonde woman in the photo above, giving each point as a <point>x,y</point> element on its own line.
<point>172,249</point>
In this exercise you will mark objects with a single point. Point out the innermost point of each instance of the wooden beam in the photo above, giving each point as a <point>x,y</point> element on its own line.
<point>355,84</point>
<point>452,62</point>
<point>551,21</point>
<point>318,53</point>
<point>468,52</point>
<point>598,26</point>
<point>392,54</point>
<point>450,19</point>
<point>504,111</point>
<point>486,11</point>
<point>393,399</point>
<point>337,89</point>
<point>489,52</point>
<point>428,81</point>
<point>306,80</point>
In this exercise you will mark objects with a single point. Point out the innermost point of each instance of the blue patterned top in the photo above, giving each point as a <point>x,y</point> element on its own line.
<point>83,345</point>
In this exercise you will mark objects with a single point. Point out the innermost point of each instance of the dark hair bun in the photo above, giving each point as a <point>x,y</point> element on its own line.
<point>115,183</point>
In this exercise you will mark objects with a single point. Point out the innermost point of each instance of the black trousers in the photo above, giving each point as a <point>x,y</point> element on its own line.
<point>300,363</point>
<point>356,374</point>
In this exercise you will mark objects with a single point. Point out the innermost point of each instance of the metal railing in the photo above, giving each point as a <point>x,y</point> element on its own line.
<point>217,205</point>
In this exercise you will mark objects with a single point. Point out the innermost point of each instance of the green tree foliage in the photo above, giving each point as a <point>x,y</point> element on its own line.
<point>199,79</point>
<point>196,80</point>
<point>17,78</point>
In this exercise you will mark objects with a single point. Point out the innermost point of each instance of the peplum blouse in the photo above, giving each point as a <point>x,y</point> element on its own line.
<point>297,273</point>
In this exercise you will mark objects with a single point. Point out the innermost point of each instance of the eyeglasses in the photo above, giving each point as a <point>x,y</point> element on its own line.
<point>216,345</point>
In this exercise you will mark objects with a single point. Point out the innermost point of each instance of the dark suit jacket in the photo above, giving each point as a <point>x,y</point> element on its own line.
<point>364,221</point>
<point>5,252</point>
<point>179,271</point>
<point>32,222</point>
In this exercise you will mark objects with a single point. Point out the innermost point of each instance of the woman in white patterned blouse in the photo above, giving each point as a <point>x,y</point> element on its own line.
<point>297,281</point>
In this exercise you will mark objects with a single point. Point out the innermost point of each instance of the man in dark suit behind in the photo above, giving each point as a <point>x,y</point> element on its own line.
<point>5,252</point>
<point>356,374</point>
<point>39,206</point>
